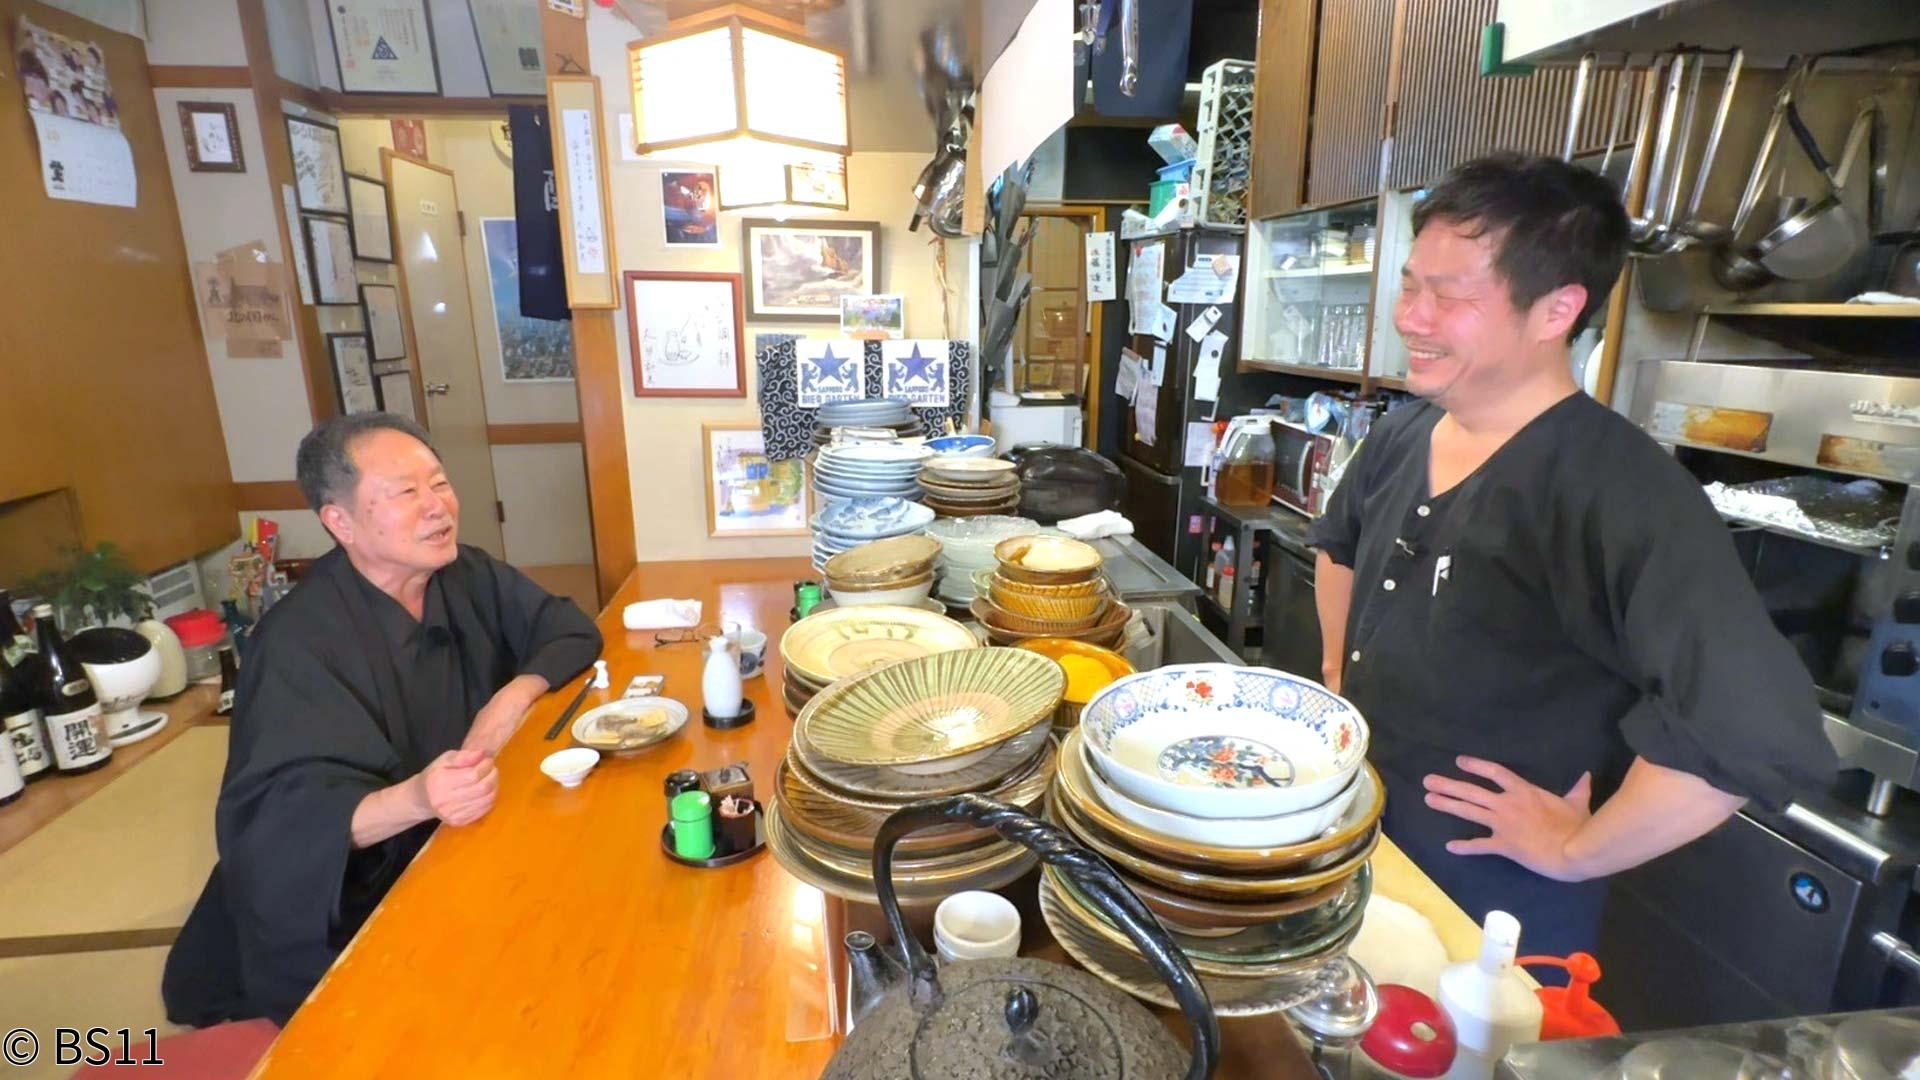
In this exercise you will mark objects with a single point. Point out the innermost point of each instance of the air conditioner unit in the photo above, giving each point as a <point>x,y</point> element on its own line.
<point>175,589</point>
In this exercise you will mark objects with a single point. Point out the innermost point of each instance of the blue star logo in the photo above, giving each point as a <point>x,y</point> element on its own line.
<point>829,368</point>
<point>914,367</point>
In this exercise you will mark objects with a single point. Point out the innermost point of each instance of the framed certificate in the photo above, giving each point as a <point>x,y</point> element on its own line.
<point>353,373</point>
<point>372,229</point>
<point>319,171</point>
<point>384,46</point>
<point>509,36</point>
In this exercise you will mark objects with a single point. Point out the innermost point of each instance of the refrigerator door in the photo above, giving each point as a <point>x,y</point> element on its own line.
<point>1153,505</point>
<point>1163,448</point>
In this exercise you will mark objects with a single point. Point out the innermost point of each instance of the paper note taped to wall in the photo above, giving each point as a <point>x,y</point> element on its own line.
<point>1128,377</point>
<point>85,162</point>
<point>589,238</point>
<point>1100,275</point>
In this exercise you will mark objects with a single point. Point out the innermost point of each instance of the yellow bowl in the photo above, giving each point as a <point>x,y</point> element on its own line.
<point>1057,649</point>
<point>999,618</point>
<point>1047,560</point>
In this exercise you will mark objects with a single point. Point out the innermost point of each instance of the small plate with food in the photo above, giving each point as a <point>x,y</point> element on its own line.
<point>630,724</point>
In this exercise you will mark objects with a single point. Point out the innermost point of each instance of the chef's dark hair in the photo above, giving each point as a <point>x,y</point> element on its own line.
<point>1553,223</point>
<point>324,464</point>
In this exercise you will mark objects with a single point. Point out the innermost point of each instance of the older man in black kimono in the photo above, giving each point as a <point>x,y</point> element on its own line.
<point>371,705</point>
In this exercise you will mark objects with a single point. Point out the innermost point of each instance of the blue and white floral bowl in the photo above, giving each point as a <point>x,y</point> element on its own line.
<point>1219,741</point>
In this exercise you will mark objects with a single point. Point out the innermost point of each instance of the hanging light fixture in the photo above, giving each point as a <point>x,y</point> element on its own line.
<point>745,92</point>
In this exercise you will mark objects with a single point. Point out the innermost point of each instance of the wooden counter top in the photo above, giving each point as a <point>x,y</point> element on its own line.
<point>552,938</point>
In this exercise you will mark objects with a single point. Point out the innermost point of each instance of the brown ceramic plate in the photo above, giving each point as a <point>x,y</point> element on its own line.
<point>1110,625</point>
<point>1321,851</point>
<point>1195,883</point>
<point>1193,913</point>
<point>894,559</point>
<point>998,618</point>
<point>1004,864</point>
<point>814,808</point>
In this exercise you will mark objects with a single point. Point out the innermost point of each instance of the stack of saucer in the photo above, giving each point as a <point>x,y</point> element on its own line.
<point>1255,860</point>
<point>961,487</point>
<point>856,470</point>
<point>846,525</point>
<point>874,414</point>
<point>971,720</point>
<point>838,643</point>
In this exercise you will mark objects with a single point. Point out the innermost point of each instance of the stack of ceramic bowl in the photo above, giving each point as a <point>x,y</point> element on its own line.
<point>874,414</point>
<point>966,545</point>
<point>1237,803</point>
<point>971,720</point>
<point>846,525</point>
<point>897,570</point>
<point>1048,586</point>
<point>962,487</point>
<point>1089,669</point>
<point>841,642</point>
<point>868,470</point>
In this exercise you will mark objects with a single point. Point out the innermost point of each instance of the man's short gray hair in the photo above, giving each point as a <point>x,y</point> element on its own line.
<point>324,464</point>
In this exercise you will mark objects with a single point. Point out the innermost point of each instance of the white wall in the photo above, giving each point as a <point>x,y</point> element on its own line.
<point>664,445</point>
<point>195,32</point>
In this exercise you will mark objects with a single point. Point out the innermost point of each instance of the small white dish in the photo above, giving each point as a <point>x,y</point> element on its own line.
<point>570,766</point>
<point>976,925</point>
<point>1280,830</point>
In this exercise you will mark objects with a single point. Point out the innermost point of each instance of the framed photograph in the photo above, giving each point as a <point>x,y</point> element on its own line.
<point>748,495</point>
<point>396,394</point>
<point>531,350</point>
<point>372,228</point>
<point>797,271</point>
<point>330,253</point>
<point>212,136</point>
<point>685,331</point>
<point>510,44</point>
<point>381,306</point>
<point>383,46</point>
<point>319,172</point>
<point>409,136</point>
<point>353,373</point>
<point>883,315</point>
<point>689,208</point>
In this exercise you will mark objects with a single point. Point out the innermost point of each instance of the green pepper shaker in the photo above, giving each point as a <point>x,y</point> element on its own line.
<point>692,825</point>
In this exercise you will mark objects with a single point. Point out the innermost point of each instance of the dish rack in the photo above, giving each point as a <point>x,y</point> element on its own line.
<point>1224,169</point>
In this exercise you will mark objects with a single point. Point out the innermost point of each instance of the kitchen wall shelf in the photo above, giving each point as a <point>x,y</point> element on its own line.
<point>1311,371</point>
<point>1817,311</point>
<point>1334,270</point>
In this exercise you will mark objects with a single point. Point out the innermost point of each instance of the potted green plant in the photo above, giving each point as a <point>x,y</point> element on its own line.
<point>94,587</point>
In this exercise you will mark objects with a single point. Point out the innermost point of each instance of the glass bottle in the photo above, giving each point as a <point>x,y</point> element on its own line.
<point>1246,467</point>
<point>74,724</point>
<point>26,731</point>
<point>229,678</point>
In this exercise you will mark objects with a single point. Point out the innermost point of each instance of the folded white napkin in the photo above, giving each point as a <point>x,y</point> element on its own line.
<point>1095,526</point>
<point>661,614</point>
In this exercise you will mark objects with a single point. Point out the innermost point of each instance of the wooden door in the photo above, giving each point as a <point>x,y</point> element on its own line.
<point>433,286</point>
<point>1351,70</point>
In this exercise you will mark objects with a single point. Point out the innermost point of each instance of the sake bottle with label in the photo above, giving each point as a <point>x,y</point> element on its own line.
<point>26,732</point>
<point>74,724</point>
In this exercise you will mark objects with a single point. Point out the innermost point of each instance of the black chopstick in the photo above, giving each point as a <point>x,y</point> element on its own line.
<point>554,731</point>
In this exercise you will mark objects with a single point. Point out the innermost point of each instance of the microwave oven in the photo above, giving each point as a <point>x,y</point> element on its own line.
<point>1301,461</point>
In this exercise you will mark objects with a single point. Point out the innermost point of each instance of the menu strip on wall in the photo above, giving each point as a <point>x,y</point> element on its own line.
<point>586,223</point>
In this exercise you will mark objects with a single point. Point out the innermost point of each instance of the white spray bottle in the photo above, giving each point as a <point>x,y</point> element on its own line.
<point>1492,1007</point>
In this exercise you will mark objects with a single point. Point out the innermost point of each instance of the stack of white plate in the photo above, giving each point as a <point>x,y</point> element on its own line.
<point>868,470</point>
<point>847,524</point>
<point>891,414</point>
<point>966,545</point>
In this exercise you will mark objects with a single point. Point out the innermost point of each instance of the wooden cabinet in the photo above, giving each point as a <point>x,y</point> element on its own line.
<point>1351,69</point>
<point>1282,104</point>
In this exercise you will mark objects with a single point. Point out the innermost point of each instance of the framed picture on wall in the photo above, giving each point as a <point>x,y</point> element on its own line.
<point>748,495</point>
<point>689,208</point>
<point>212,135</point>
<point>531,350</point>
<point>319,172</point>
<point>372,228</point>
<point>510,44</point>
<point>381,306</point>
<point>353,373</point>
<point>685,331</point>
<point>396,394</point>
<point>873,317</point>
<point>384,46</point>
<point>330,253</point>
<point>797,271</point>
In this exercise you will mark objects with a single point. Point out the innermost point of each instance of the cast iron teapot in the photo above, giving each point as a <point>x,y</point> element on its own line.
<point>1023,1018</point>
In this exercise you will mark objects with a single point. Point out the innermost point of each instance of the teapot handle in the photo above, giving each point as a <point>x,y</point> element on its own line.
<point>1086,869</point>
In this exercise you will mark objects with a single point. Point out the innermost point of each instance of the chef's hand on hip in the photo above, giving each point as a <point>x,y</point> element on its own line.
<point>1525,822</point>
<point>460,786</point>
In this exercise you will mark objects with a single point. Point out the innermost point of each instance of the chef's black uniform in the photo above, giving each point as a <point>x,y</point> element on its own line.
<point>1572,603</point>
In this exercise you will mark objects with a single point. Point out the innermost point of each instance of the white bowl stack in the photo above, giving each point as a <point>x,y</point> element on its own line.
<point>966,546</point>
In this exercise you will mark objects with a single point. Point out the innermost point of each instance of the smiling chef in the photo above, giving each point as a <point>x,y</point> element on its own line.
<point>1566,670</point>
